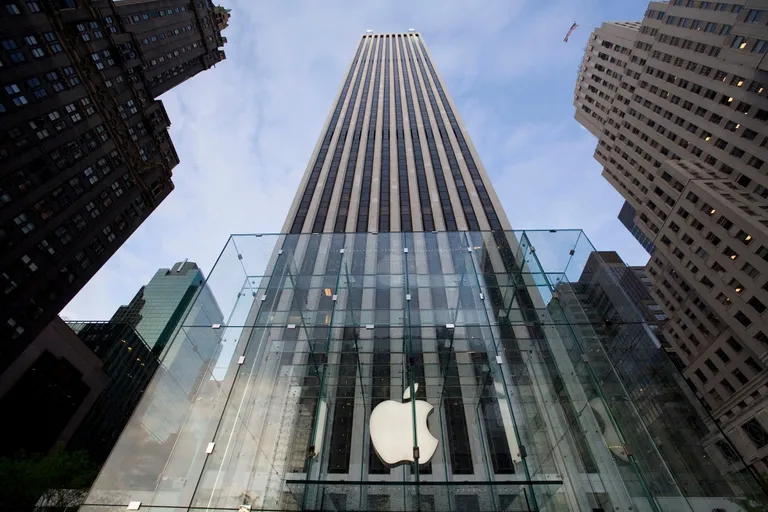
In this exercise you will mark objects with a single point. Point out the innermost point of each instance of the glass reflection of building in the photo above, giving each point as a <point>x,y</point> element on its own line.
<point>397,266</point>
<point>129,364</point>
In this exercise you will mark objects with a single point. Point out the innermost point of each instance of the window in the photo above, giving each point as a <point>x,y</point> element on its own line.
<point>712,367</point>
<point>12,9</point>
<point>754,365</point>
<point>755,432</point>
<point>730,253</point>
<point>739,42</point>
<point>756,305</point>
<point>743,319</point>
<point>750,271</point>
<point>27,262</point>
<point>722,355</point>
<point>728,452</point>
<point>744,237</point>
<point>734,345</point>
<point>754,16</point>
<point>760,46</point>
<point>723,221</point>
<point>108,233</point>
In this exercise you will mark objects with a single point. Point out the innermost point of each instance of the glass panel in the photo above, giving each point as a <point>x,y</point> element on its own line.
<point>513,366</point>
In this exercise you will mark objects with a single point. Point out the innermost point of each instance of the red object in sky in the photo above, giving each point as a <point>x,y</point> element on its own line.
<point>570,30</point>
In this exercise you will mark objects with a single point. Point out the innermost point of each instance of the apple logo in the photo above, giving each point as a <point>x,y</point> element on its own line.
<point>392,430</point>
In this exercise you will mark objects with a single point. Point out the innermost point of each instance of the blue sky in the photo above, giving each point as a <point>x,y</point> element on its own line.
<point>245,130</point>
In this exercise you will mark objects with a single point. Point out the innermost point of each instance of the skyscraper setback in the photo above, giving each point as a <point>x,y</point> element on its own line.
<point>679,105</point>
<point>396,282</point>
<point>85,154</point>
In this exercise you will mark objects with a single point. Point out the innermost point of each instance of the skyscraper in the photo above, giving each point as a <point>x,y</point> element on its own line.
<point>85,154</point>
<point>398,347</point>
<point>679,106</point>
<point>393,154</point>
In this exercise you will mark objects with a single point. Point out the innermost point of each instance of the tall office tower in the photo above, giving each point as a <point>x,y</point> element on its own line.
<point>679,106</point>
<point>129,365</point>
<point>85,154</point>
<point>156,312</point>
<point>398,347</point>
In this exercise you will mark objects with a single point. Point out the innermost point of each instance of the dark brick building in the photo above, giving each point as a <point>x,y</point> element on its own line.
<point>85,154</point>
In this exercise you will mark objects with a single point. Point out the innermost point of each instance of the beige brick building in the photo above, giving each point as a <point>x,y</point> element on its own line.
<point>679,105</point>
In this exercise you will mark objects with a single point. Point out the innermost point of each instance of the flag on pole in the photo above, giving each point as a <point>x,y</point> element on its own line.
<point>570,31</point>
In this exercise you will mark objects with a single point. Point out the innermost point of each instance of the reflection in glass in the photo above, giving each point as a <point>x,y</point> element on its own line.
<point>550,390</point>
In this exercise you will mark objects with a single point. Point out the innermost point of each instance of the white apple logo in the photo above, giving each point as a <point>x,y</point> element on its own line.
<point>392,430</point>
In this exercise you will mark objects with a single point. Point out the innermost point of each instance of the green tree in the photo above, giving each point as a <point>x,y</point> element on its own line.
<point>58,480</point>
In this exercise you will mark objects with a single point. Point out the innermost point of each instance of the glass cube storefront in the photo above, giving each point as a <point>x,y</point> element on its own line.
<point>548,391</point>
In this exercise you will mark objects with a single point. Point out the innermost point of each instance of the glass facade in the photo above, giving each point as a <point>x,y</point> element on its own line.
<point>627,218</point>
<point>548,390</point>
<point>129,364</point>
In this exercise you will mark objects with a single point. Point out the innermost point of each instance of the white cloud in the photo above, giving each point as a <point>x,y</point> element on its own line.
<point>244,130</point>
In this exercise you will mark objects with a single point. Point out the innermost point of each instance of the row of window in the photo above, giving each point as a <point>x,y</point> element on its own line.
<point>170,55</point>
<point>314,176</point>
<point>757,45</point>
<point>33,47</point>
<point>717,6</point>
<point>161,13</point>
<point>162,35</point>
<point>706,26</point>
<point>325,197</point>
<point>14,9</point>
<point>349,174</point>
<point>365,183</point>
<point>427,217</point>
<point>384,206</point>
<point>437,167</point>
<point>482,192</point>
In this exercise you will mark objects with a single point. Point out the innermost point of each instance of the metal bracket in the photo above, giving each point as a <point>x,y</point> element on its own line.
<point>215,326</point>
<point>450,326</point>
<point>263,297</point>
<point>469,249</point>
<point>482,297</point>
<point>280,251</point>
<point>405,249</point>
<point>499,360</point>
<point>240,256</point>
<point>290,326</point>
<point>335,297</point>
<point>369,326</point>
<point>341,251</point>
<point>416,453</point>
<point>407,296</point>
<point>585,358</point>
<point>209,449</point>
<point>241,360</point>
<point>134,505</point>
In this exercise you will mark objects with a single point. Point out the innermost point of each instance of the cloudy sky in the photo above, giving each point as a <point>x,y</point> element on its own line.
<point>245,130</point>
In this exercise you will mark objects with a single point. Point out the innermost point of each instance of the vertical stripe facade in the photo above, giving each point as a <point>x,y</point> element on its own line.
<point>394,155</point>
